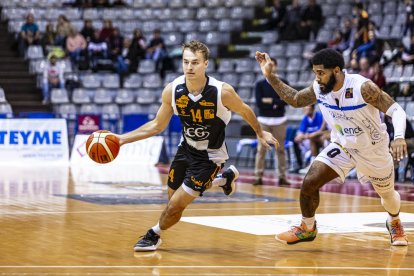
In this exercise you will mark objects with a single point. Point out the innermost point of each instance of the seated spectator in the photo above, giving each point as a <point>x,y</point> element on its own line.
<point>276,16</point>
<point>87,30</point>
<point>362,17</point>
<point>52,78</point>
<point>157,51</point>
<point>116,41</point>
<point>310,135</point>
<point>291,29</point>
<point>75,46</point>
<point>311,20</point>
<point>372,49</point>
<point>63,29</point>
<point>116,44</point>
<point>29,34</point>
<point>123,61</point>
<point>353,66</point>
<point>48,38</point>
<point>137,50</point>
<point>364,69</point>
<point>336,41</point>
<point>106,30</point>
<point>97,49</point>
<point>377,75</point>
<point>346,34</point>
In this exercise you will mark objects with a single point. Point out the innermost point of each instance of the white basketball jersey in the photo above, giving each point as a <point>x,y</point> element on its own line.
<point>355,124</point>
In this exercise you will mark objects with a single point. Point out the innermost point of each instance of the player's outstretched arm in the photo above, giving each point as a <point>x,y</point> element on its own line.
<point>290,95</point>
<point>373,95</point>
<point>232,101</point>
<point>154,127</point>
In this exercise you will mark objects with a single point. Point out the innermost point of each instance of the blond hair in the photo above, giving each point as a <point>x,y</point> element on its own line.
<point>197,46</point>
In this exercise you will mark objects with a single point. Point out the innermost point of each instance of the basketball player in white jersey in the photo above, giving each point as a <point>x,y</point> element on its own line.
<point>204,107</point>
<point>351,106</point>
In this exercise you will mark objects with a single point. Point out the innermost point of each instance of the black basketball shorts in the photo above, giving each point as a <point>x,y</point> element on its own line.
<point>196,171</point>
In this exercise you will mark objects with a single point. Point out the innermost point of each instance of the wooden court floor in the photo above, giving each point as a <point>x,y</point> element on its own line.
<point>53,222</point>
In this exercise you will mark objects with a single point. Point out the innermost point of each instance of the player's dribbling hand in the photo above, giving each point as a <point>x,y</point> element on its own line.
<point>267,139</point>
<point>120,138</point>
<point>399,149</point>
<point>266,64</point>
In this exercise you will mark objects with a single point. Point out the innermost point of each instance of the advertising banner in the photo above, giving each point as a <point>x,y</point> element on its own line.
<point>33,141</point>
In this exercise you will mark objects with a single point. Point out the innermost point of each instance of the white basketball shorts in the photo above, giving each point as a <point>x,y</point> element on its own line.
<point>373,166</point>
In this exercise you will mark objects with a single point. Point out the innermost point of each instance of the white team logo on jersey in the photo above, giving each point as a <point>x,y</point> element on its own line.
<point>373,132</point>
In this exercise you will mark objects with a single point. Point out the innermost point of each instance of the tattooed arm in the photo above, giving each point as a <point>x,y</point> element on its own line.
<point>373,95</point>
<point>290,95</point>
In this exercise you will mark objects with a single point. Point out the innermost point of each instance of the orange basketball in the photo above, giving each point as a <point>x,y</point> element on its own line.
<point>102,146</point>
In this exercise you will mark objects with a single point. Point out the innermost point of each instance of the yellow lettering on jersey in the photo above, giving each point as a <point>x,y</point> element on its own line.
<point>209,114</point>
<point>182,102</point>
<point>171,175</point>
<point>196,115</point>
<point>204,103</point>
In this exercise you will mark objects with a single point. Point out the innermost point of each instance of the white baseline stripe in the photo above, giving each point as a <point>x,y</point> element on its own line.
<point>157,210</point>
<point>221,267</point>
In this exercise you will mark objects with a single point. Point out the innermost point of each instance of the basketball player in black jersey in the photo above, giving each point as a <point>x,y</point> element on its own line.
<point>204,107</point>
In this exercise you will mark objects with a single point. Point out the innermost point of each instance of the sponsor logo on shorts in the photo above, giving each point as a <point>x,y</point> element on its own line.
<point>382,182</point>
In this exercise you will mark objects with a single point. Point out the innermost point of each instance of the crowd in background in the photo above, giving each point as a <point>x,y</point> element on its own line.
<point>357,38</point>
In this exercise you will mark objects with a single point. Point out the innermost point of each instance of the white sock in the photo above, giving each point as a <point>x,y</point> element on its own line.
<point>391,218</point>
<point>219,181</point>
<point>157,229</point>
<point>309,222</point>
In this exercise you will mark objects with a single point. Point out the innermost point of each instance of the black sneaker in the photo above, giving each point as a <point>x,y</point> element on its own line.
<point>283,182</point>
<point>149,242</point>
<point>258,182</point>
<point>231,175</point>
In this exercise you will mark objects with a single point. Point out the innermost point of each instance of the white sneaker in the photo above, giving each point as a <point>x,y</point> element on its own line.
<point>304,170</point>
<point>397,234</point>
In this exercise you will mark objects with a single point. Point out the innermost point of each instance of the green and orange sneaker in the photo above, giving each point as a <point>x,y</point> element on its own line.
<point>297,234</point>
<point>397,233</point>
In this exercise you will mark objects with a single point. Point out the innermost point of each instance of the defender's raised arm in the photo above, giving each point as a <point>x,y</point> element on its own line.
<point>290,95</point>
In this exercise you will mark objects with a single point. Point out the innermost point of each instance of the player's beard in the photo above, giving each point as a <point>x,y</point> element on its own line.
<point>327,88</point>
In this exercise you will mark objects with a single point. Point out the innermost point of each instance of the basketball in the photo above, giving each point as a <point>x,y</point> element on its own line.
<point>102,146</point>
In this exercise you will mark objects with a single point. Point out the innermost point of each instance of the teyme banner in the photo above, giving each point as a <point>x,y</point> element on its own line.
<point>33,141</point>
